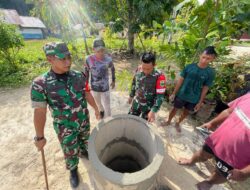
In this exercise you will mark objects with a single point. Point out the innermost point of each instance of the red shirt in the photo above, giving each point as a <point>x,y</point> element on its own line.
<point>231,141</point>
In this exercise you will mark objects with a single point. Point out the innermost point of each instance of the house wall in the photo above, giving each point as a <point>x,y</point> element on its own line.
<point>245,36</point>
<point>32,33</point>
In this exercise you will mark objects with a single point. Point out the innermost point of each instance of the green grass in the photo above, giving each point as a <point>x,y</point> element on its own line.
<point>31,61</point>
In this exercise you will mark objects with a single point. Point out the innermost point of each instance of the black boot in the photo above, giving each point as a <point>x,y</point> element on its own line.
<point>74,179</point>
<point>84,154</point>
<point>102,114</point>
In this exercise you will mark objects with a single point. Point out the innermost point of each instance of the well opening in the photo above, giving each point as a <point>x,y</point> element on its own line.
<point>132,158</point>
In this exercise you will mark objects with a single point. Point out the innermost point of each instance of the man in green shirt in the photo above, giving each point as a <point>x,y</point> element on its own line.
<point>192,87</point>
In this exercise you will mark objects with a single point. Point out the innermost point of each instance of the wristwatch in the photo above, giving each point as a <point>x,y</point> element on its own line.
<point>36,138</point>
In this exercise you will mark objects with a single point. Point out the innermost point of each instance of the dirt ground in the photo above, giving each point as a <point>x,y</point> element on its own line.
<point>21,165</point>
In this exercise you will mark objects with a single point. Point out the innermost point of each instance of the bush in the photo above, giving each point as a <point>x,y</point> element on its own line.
<point>30,62</point>
<point>10,43</point>
<point>229,82</point>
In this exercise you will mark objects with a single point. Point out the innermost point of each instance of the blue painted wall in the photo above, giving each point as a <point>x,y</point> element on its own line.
<point>32,36</point>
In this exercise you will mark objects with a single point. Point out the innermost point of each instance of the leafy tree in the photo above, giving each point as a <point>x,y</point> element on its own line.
<point>61,17</point>
<point>10,43</point>
<point>19,5</point>
<point>129,14</point>
<point>193,27</point>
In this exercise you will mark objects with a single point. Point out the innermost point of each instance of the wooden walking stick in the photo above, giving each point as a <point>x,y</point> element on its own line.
<point>44,169</point>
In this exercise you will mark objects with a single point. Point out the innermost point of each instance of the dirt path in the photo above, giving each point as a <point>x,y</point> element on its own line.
<point>240,51</point>
<point>20,163</point>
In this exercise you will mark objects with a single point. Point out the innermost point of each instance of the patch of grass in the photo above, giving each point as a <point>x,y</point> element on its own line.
<point>242,43</point>
<point>149,45</point>
<point>31,61</point>
<point>24,74</point>
<point>124,80</point>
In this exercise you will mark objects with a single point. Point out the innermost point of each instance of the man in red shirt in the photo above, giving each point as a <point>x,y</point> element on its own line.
<point>229,144</point>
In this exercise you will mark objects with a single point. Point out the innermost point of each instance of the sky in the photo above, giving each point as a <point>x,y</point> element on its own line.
<point>201,1</point>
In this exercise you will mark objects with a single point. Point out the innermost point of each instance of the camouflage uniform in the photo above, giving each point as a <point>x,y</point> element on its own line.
<point>148,92</point>
<point>65,95</point>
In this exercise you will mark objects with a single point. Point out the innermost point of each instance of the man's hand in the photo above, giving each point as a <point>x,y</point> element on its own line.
<point>207,125</point>
<point>151,116</point>
<point>236,175</point>
<point>40,144</point>
<point>112,85</point>
<point>171,97</point>
<point>198,107</point>
<point>97,114</point>
<point>130,99</point>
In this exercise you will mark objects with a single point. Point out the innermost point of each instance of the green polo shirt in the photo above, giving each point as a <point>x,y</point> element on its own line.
<point>194,80</point>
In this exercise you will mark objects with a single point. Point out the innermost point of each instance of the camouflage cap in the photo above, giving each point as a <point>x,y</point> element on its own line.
<point>59,49</point>
<point>98,44</point>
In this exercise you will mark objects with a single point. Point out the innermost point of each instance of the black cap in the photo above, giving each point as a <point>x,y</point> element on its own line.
<point>98,44</point>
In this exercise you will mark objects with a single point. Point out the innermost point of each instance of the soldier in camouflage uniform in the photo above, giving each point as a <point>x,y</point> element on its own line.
<point>66,92</point>
<point>148,89</point>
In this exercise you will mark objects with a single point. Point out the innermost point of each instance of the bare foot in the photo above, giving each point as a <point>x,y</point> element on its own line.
<point>204,185</point>
<point>177,127</point>
<point>185,161</point>
<point>165,123</point>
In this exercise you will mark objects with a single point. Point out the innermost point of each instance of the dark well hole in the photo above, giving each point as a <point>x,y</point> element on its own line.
<point>124,164</point>
<point>124,155</point>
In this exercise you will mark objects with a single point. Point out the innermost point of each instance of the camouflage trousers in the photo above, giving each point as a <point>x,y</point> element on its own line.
<point>140,109</point>
<point>74,141</point>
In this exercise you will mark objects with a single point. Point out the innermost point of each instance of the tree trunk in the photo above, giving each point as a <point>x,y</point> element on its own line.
<point>170,34</point>
<point>85,42</point>
<point>130,25</point>
<point>144,49</point>
<point>131,41</point>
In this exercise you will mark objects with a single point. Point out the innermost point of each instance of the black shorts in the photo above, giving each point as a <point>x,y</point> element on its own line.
<point>221,166</point>
<point>179,103</point>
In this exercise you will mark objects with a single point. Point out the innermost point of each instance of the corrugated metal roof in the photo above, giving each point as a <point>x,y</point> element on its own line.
<point>31,22</point>
<point>10,16</point>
